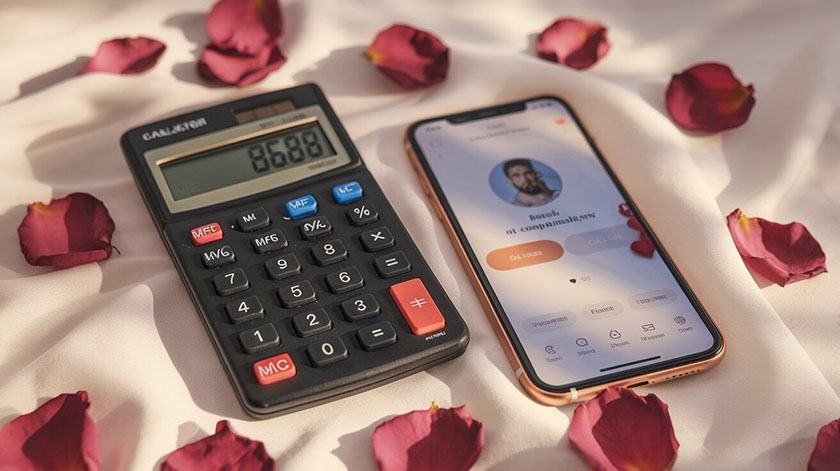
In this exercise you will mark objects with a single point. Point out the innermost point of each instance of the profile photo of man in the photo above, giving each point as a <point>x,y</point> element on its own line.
<point>531,190</point>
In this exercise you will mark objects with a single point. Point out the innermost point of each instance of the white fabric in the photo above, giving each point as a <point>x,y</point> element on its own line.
<point>125,330</point>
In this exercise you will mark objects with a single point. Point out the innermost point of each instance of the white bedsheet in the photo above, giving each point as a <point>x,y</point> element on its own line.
<point>125,330</point>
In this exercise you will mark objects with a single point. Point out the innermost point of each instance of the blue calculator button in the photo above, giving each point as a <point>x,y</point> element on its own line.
<point>301,207</point>
<point>347,193</point>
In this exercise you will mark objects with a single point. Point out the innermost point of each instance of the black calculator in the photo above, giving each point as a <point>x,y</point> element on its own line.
<point>308,283</point>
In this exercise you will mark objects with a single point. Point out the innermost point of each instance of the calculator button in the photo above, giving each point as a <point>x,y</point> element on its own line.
<point>244,309</point>
<point>362,214</point>
<point>274,240</point>
<point>296,294</point>
<point>203,235</point>
<point>215,258</point>
<point>326,352</point>
<point>230,282</point>
<point>315,227</point>
<point>345,280</point>
<point>274,369</point>
<point>392,264</point>
<point>329,252</point>
<point>301,207</point>
<point>252,220</point>
<point>377,239</point>
<point>360,307</point>
<point>417,306</point>
<point>255,340</point>
<point>283,266</point>
<point>312,322</point>
<point>347,193</point>
<point>377,336</point>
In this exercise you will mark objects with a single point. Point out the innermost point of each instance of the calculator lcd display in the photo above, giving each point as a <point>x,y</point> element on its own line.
<point>243,161</point>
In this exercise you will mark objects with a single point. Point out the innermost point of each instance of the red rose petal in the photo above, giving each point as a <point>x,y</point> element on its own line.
<point>224,450</point>
<point>782,253</point>
<point>575,43</point>
<point>409,56</point>
<point>233,68</point>
<point>125,56</point>
<point>429,440</point>
<point>643,246</point>
<point>245,26</point>
<point>69,231</point>
<point>826,454</point>
<point>57,435</point>
<point>707,97</point>
<point>619,430</point>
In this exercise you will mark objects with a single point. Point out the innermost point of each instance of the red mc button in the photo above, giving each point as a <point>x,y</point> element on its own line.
<point>203,235</point>
<point>274,369</point>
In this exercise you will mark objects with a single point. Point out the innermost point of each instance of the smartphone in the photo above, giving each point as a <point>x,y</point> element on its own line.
<point>540,222</point>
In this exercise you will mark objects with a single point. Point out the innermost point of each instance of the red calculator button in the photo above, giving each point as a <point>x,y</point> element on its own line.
<point>274,369</point>
<point>203,235</point>
<point>417,306</point>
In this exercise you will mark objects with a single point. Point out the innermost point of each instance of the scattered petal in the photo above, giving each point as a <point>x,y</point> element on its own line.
<point>224,450</point>
<point>245,26</point>
<point>782,253</point>
<point>643,246</point>
<point>69,231</point>
<point>233,68</point>
<point>434,440</point>
<point>409,56</point>
<point>618,430</point>
<point>126,56</point>
<point>574,43</point>
<point>826,454</point>
<point>57,435</point>
<point>707,97</point>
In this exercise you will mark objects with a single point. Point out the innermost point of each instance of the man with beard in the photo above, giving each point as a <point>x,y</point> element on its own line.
<point>531,190</point>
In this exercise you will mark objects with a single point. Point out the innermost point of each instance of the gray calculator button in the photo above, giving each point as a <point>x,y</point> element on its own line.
<point>392,264</point>
<point>377,239</point>
<point>311,322</point>
<point>230,282</point>
<point>329,252</point>
<point>252,220</point>
<point>327,351</point>
<point>270,242</point>
<point>361,214</point>
<point>244,309</point>
<point>345,280</point>
<point>215,258</point>
<point>296,294</point>
<point>377,336</point>
<point>283,266</point>
<point>255,340</point>
<point>360,307</point>
<point>315,227</point>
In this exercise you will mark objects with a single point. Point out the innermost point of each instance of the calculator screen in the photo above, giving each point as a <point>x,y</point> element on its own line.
<point>243,161</point>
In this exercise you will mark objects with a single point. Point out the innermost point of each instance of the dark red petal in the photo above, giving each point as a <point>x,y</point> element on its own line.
<point>224,450</point>
<point>643,246</point>
<point>826,454</point>
<point>245,26</point>
<point>707,97</point>
<point>618,430</point>
<point>57,435</point>
<point>125,56</point>
<point>429,440</point>
<point>782,253</point>
<point>572,42</point>
<point>409,56</point>
<point>232,68</point>
<point>69,231</point>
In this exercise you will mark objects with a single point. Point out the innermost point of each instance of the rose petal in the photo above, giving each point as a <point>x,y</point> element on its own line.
<point>69,231</point>
<point>57,435</point>
<point>826,454</point>
<point>409,56</point>
<point>782,253</point>
<point>434,440</point>
<point>574,43</point>
<point>643,246</point>
<point>233,68</point>
<point>707,97</point>
<point>245,26</point>
<point>125,56</point>
<point>223,450</point>
<point>619,430</point>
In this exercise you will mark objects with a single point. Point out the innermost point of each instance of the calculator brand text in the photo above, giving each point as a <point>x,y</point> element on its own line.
<point>174,129</point>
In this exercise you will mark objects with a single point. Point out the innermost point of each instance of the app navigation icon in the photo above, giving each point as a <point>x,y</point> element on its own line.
<point>582,342</point>
<point>614,334</point>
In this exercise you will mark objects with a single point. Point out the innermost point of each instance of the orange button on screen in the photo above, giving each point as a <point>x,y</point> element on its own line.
<point>523,255</point>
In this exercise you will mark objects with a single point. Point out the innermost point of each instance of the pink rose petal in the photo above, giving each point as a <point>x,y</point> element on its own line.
<point>574,43</point>
<point>57,435</point>
<point>125,56</point>
<point>411,57</point>
<point>643,246</point>
<point>826,454</point>
<point>429,440</point>
<point>245,26</point>
<point>707,97</point>
<point>222,451</point>
<point>233,68</point>
<point>618,430</point>
<point>782,253</point>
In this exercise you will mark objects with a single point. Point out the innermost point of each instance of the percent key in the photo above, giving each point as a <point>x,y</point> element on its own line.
<point>362,214</point>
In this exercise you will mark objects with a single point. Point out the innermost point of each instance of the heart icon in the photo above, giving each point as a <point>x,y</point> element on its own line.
<point>573,280</point>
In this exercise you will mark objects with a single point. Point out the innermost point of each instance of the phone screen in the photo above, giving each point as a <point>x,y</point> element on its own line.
<point>541,215</point>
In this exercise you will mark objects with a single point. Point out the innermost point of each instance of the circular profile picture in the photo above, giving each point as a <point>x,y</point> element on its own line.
<point>525,182</point>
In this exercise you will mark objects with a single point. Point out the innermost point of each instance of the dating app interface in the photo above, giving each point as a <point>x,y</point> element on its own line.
<point>551,233</point>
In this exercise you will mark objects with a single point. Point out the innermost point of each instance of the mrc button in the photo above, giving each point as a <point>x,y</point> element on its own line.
<point>203,235</point>
<point>274,369</point>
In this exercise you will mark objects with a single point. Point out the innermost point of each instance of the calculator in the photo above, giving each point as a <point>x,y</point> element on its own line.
<point>306,280</point>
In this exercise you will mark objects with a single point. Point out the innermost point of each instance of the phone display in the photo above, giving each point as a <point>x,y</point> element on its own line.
<point>547,225</point>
